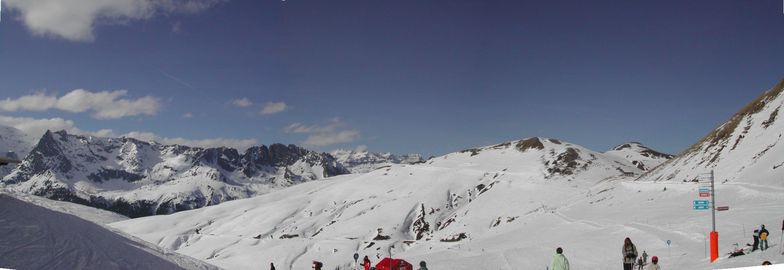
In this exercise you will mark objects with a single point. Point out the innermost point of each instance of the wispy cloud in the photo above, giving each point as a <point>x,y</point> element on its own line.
<point>242,102</point>
<point>176,79</point>
<point>75,20</point>
<point>187,115</point>
<point>102,104</point>
<point>274,107</point>
<point>335,131</point>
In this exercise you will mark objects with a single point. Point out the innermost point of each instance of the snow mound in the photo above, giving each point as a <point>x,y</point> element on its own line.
<point>38,238</point>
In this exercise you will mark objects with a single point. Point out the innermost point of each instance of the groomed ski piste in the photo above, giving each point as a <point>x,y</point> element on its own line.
<point>40,233</point>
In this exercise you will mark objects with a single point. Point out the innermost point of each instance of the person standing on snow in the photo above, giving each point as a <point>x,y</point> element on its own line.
<point>422,265</point>
<point>366,263</point>
<point>272,266</point>
<point>559,260</point>
<point>644,257</point>
<point>763,238</point>
<point>654,264</point>
<point>629,252</point>
<point>756,243</point>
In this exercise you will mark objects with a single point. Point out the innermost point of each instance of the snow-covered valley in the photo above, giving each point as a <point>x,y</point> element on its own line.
<point>507,206</point>
<point>502,206</point>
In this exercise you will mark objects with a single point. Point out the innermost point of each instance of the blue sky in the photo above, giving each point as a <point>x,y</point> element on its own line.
<point>403,76</point>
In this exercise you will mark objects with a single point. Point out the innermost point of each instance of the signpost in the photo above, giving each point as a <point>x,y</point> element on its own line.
<point>701,204</point>
<point>708,190</point>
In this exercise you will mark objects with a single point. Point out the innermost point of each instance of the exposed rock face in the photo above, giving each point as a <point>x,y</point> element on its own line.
<point>641,156</point>
<point>138,178</point>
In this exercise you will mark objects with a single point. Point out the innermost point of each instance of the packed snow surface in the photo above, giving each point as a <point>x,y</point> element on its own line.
<point>34,237</point>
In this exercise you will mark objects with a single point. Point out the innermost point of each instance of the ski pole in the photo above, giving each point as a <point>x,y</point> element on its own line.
<point>781,241</point>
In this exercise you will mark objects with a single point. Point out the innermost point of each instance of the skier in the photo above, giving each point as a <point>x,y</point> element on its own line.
<point>639,263</point>
<point>755,245</point>
<point>629,252</point>
<point>272,266</point>
<point>654,264</point>
<point>644,257</point>
<point>763,235</point>
<point>317,265</point>
<point>422,265</point>
<point>366,263</point>
<point>559,260</point>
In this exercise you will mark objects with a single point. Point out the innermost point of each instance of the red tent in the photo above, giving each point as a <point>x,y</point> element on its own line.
<point>397,264</point>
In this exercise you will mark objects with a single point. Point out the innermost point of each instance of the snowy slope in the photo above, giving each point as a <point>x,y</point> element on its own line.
<point>747,148</point>
<point>38,238</point>
<point>362,161</point>
<point>441,207</point>
<point>137,178</point>
<point>639,155</point>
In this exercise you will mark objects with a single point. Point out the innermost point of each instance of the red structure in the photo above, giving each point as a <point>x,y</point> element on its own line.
<point>396,264</point>
<point>714,246</point>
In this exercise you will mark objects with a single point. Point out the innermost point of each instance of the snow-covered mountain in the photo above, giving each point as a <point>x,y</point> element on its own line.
<point>471,196</point>
<point>641,156</point>
<point>362,161</point>
<point>747,148</point>
<point>13,144</point>
<point>138,178</point>
<point>506,206</point>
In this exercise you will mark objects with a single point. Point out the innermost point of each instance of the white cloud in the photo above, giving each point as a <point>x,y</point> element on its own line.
<point>104,104</point>
<point>274,107</point>
<point>187,115</point>
<point>76,20</point>
<point>239,144</point>
<point>242,102</point>
<point>335,131</point>
<point>35,102</point>
<point>37,127</point>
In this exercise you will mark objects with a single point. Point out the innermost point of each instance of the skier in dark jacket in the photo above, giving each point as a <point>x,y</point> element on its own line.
<point>272,266</point>
<point>763,233</point>
<point>422,265</point>
<point>629,254</point>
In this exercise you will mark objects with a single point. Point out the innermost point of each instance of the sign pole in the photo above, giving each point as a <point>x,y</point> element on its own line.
<point>714,236</point>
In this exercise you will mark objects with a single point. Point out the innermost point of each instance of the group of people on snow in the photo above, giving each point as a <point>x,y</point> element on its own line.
<point>629,252</point>
<point>366,264</point>
<point>761,238</point>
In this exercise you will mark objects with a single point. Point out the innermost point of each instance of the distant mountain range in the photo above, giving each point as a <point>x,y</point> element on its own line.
<point>362,161</point>
<point>137,178</point>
